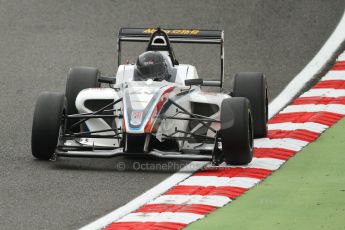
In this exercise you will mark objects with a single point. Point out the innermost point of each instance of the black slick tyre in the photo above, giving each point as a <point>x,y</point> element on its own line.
<point>236,131</point>
<point>78,78</point>
<point>253,86</point>
<point>46,124</point>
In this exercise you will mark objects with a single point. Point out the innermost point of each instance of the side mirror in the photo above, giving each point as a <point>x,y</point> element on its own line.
<point>196,81</point>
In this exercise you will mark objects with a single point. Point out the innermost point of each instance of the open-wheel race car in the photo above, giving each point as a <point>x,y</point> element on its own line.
<point>155,107</point>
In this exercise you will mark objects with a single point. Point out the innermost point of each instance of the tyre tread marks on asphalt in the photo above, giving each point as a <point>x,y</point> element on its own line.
<point>293,128</point>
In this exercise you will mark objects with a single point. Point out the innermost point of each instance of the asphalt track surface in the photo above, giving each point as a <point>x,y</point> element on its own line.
<point>41,40</point>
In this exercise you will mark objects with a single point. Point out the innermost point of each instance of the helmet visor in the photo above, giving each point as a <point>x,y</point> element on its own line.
<point>157,70</point>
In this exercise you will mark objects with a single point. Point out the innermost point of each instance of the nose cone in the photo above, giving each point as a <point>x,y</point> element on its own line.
<point>141,104</point>
<point>137,103</point>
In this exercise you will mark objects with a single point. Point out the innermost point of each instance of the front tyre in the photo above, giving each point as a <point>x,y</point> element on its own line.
<point>46,124</point>
<point>236,131</point>
<point>78,78</point>
<point>253,86</point>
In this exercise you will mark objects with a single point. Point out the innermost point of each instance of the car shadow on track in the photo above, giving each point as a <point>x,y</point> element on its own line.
<point>123,164</point>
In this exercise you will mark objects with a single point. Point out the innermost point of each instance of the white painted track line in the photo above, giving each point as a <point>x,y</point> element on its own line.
<point>310,126</point>
<point>211,200</point>
<point>334,75</point>
<point>285,143</point>
<point>242,182</point>
<point>331,108</point>
<point>175,217</point>
<point>324,93</point>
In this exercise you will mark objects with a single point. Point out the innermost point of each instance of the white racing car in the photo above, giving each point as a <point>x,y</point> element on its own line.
<point>155,107</point>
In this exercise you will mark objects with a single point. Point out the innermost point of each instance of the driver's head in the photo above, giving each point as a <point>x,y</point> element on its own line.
<point>152,65</point>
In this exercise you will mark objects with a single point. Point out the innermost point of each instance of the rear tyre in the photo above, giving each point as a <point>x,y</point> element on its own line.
<point>46,124</point>
<point>236,131</point>
<point>254,87</point>
<point>78,78</point>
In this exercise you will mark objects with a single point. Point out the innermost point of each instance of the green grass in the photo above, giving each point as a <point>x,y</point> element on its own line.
<point>308,192</point>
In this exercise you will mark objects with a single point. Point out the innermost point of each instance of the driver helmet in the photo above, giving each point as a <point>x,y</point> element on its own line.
<point>152,65</point>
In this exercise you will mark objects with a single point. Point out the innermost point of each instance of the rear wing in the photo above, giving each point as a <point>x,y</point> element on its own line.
<point>195,36</point>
